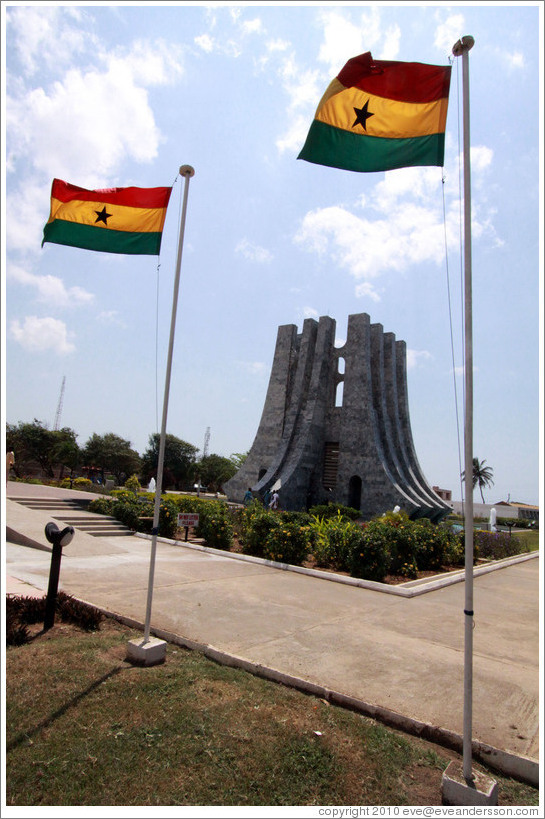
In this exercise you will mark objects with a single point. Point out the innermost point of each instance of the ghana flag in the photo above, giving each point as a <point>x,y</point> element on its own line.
<point>377,115</point>
<point>113,220</point>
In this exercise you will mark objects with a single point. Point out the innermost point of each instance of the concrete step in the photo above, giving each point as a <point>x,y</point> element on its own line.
<point>89,522</point>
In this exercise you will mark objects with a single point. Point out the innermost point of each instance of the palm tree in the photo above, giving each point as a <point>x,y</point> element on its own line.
<point>482,475</point>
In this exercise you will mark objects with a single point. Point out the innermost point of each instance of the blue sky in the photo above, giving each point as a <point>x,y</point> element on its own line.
<point>113,95</point>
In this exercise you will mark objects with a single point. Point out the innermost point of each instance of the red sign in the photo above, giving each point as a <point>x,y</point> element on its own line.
<point>188,519</point>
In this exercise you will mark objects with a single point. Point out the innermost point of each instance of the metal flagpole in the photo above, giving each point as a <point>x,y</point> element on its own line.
<point>186,171</point>
<point>462,48</point>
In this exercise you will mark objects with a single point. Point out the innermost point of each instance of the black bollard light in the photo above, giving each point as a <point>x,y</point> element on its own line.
<point>58,538</point>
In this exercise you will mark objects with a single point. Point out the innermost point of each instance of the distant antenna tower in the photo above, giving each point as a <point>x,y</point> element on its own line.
<point>59,405</point>
<point>206,442</point>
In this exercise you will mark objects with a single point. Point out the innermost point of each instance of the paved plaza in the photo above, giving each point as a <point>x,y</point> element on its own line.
<point>401,655</point>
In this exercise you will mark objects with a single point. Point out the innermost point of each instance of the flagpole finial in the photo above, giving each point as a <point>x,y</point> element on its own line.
<point>187,170</point>
<point>465,44</point>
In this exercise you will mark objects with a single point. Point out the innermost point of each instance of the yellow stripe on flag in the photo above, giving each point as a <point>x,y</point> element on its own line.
<point>392,119</point>
<point>116,217</point>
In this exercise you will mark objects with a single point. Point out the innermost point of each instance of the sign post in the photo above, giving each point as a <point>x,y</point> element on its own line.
<point>187,519</point>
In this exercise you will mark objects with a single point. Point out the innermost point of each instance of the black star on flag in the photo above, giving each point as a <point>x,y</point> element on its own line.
<point>102,216</point>
<point>362,115</point>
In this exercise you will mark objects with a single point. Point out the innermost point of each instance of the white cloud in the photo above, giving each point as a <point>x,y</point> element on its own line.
<point>45,35</point>
<point>110,317</point>
<point>409,234</point>
<point>310,312</point>
<point>206,42</point>
<point>39,335</point>
<point>449,32</point>
<point>27,211</point>
<point>277,45</point>
<point>81,128</point>
<point>50,289</point>
<point>253,252</point>
<point>344,39</point>
<point>417,357</point>
<point>254,26</point>
<point>516,59</point>
<point>105,116</point>
<point>303,86</point>
<point>390,48</point>
<point>481,157</point>
<point>103,113</point>
<point>253,367</point>
<point>294,138</point>
<point>397,225</point>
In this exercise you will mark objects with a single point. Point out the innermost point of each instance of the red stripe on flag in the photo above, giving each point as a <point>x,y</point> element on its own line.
<point>129,197</point>
<point>404,82</point>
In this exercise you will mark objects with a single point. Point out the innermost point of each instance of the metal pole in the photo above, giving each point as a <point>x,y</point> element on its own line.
<point>51,599</point>
<point>462,48</point>
<point>186,171</point>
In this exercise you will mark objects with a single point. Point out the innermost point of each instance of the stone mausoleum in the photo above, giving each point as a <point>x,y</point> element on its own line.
<point>335,425</point>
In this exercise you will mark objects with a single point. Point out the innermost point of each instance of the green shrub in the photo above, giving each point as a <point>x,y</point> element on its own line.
<point>497,545</point>
<point>257,524</point>
<point>121,494</point>
<point>102,506</point>
<point>396,533</point>
<point>133,484</point>
<point>433,545</point>
<point>333,540</point>
<point>455,550</point>
<point>287,543</point>
<point>370,560</point>
<point>129,510</point>
<point>300,518</point>
<point>331,510</point>
<point>82,483</point>
<point>168,518</point>
<point>215,525</point>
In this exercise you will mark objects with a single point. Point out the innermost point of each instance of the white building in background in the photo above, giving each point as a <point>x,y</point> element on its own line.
<point>504,509</point>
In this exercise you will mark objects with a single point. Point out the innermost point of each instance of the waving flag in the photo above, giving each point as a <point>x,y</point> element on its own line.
<point>113,220</point>
<point>377,115</point>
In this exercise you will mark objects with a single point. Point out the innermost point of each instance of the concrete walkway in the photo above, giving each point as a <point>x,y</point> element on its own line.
<point>397,658</point>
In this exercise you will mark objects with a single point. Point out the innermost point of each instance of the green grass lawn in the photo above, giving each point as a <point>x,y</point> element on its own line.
<point>84,727</point>
<point>530,539</point>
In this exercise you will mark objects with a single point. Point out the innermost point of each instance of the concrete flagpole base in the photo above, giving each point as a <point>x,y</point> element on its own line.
<point>146,653</point>
<point>456,790</point>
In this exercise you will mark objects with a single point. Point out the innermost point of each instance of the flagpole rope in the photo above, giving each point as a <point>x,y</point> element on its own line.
<point>449,299</point>
<point>451,332</point>
<point>461,246</point>
<point>157,320</point>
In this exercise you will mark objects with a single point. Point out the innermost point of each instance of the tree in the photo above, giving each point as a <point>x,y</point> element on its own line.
<point>482,475</point>
<point>178,465</point>
<point>36,444</point>
<point>215,470</point>
<point>238,458</point>
<point>111,453</point>
<point>66,451</point>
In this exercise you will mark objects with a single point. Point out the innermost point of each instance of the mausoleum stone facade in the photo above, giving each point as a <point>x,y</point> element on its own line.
<point>315,447</point>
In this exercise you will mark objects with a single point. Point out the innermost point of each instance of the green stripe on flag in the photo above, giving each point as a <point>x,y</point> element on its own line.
<point>327,145</point>
<point>89,237</point>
